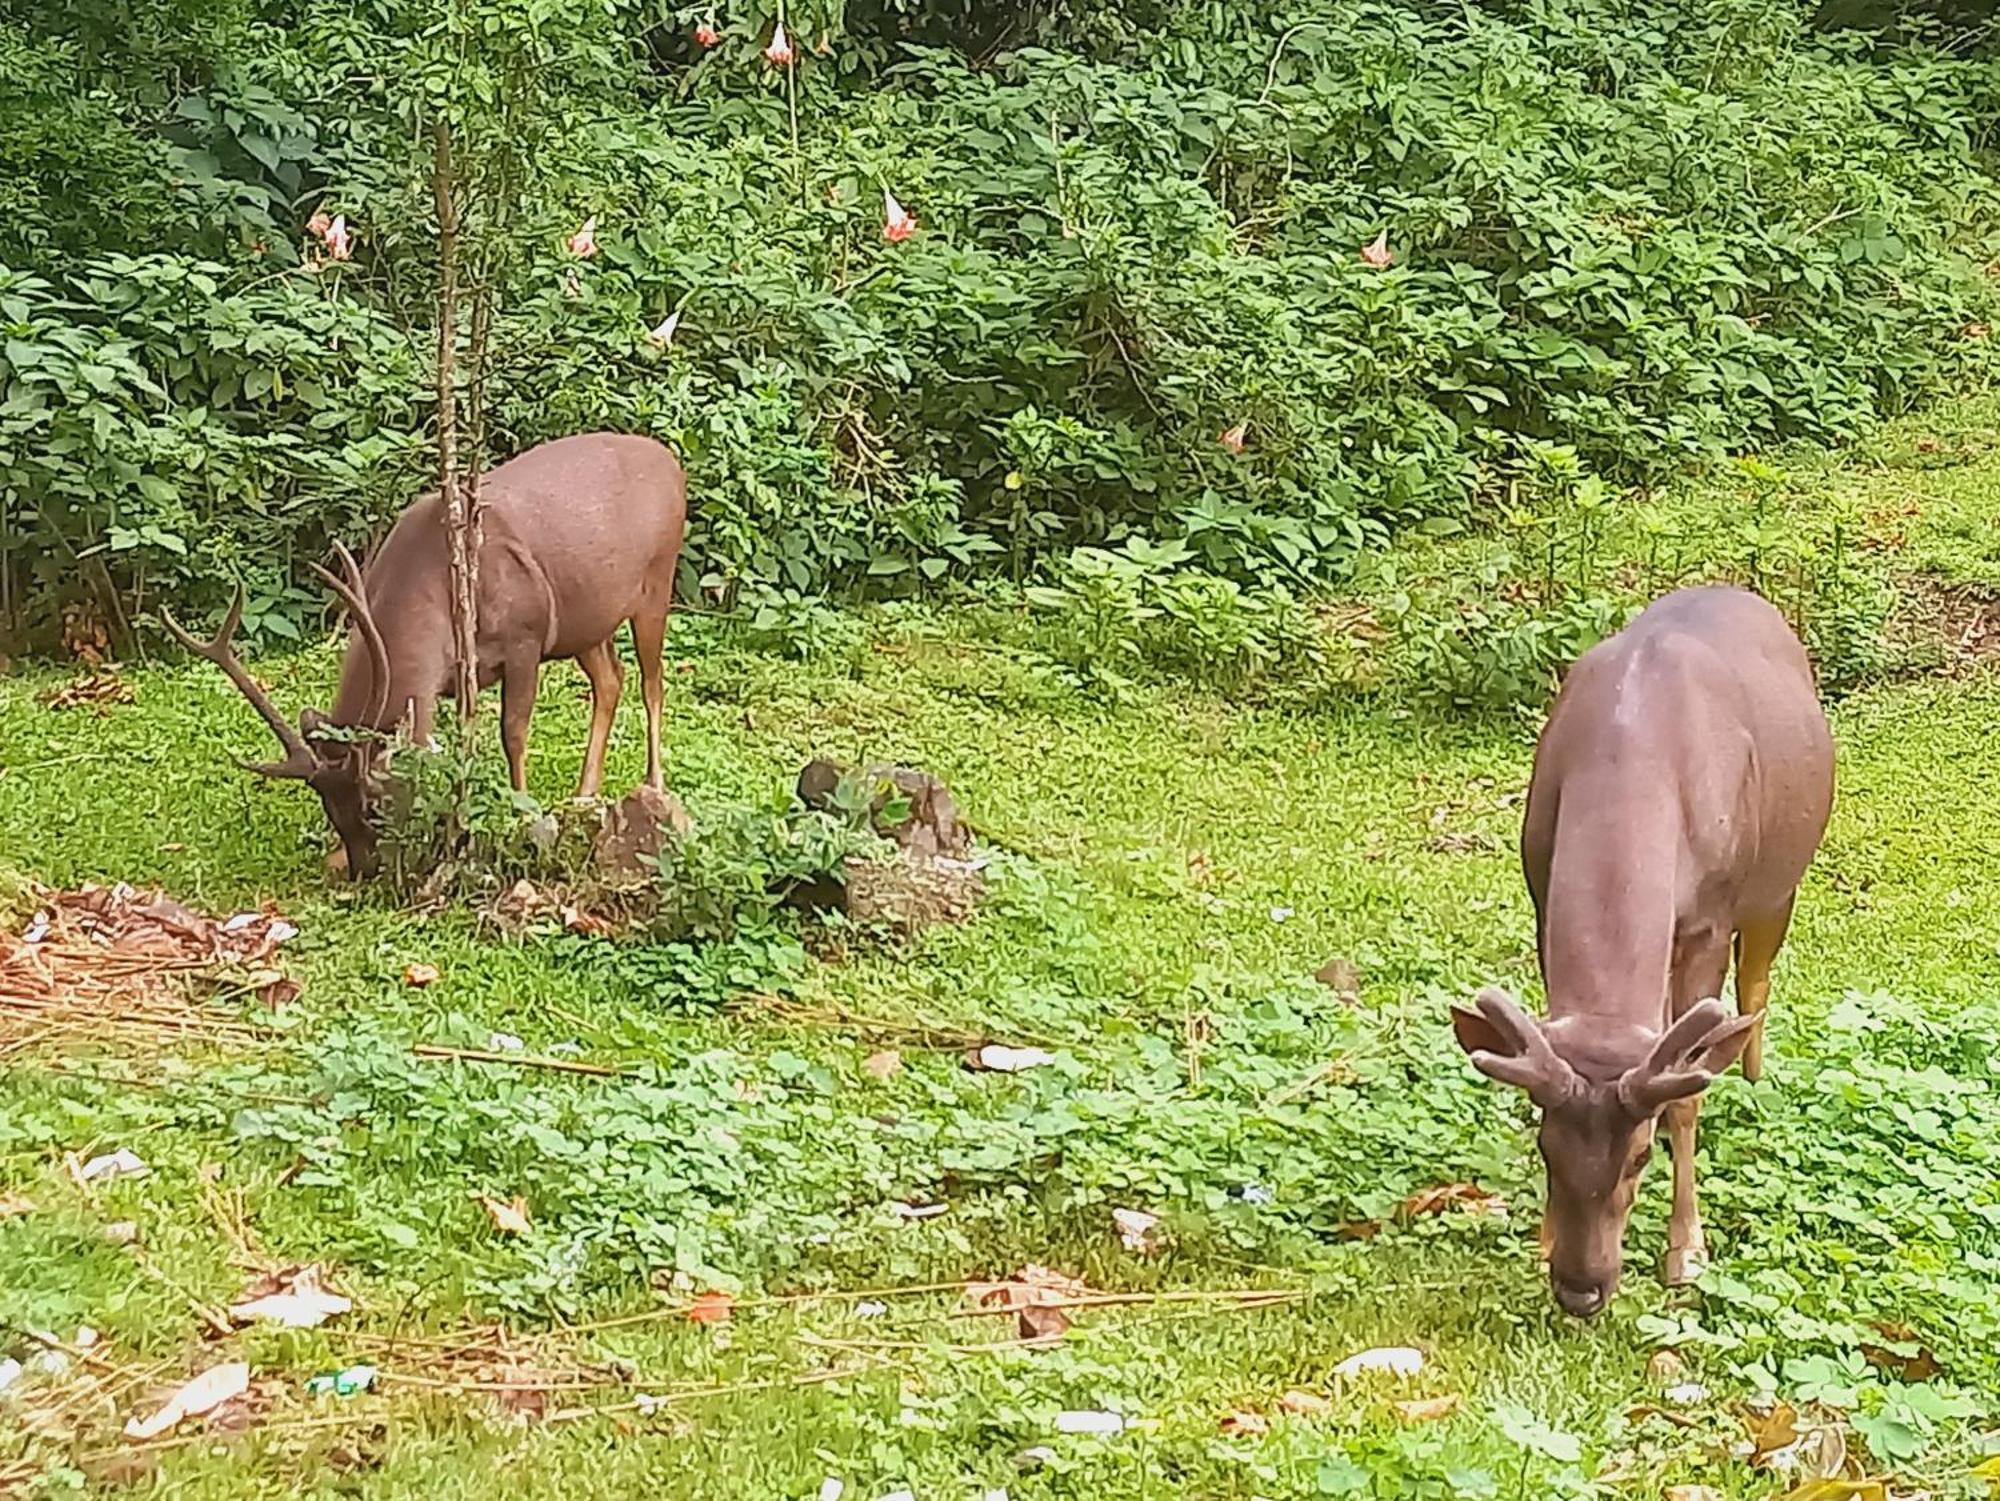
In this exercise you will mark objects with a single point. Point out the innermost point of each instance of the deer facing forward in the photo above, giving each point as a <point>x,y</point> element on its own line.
<point>580,535</point>
<point>1681,787</point>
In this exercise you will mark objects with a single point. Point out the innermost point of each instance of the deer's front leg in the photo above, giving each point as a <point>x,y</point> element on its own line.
<point>1687,1247</point>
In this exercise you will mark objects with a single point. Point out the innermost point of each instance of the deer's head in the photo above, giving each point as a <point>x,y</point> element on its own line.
<point>1601,1086</point>
<point>343,770</point>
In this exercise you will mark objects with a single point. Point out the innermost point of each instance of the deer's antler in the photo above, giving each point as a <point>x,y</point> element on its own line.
<point>1703,1042</point>
<point>353,593</point>
<point>301,761</point>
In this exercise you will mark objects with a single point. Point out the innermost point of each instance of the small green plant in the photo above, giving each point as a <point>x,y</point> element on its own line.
<point>799,624</point>
<point>741,864</point>
<point>1110,616</point>
<point>1495,651</point>
<point>450,820</point>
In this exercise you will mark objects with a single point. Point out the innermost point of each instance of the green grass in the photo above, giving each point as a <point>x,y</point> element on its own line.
<point>1172,871</point>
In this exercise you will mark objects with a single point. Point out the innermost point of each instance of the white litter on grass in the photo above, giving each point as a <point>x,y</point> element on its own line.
<point>1135,1228</point>
<point>1000,1059</point>
<point>302,1304</point>
<point>1394,1360</point>
<point>123,1163</point>
<point>1097,1424</point>
<point>38,928</point>
<point>205,1393</point>
<point>918,1211</point>
<point>1686,1394</point>
<point>831,1489</point>
<point>505,1042</point>
<point>10,1372</point>
<point>870,1310</point>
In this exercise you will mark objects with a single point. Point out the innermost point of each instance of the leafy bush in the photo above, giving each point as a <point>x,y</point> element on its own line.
<point>1110,614</point>
<point>167,424</point>
<point>1655,234</point>
<point>1494,651</point>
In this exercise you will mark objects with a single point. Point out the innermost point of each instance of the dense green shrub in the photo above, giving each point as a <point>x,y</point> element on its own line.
<point>1656,231</point>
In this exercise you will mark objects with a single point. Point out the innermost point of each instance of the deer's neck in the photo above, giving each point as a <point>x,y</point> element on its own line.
<point>1608,932</point>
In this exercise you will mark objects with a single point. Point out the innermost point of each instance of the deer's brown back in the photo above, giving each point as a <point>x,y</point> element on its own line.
<point>580,534</point>
<point>1683,782</point>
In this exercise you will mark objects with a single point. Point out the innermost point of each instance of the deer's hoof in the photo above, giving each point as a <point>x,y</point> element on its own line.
<point>1685,1265</point>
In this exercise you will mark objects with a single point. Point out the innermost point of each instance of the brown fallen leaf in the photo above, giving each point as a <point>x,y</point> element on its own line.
<point>418,976</point>
<point>1304,1404</point>
<point>883,1065</point>
<point>1470,1197</point>
<point>1425,1409</point>
<point>203,1394</point>
<point>99,691</point>
<point>711,1308</point>
<point>1341,977</point>
<point>1786,1443</point>
<point>278,990</point>
<point>1034,1295</point>
<point>1665,1367</point>
<point>1777,1431</point>
<point>1693,1493</point>
<point>509,1218</point>
<point>1904,1355</point>
<point>15,1205</point>
<point>1243,1425</point>
<point>1200,868</point>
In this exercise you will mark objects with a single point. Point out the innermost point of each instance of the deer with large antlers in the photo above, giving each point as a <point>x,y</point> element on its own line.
<point>1681,787</point>
<point>580,535</point>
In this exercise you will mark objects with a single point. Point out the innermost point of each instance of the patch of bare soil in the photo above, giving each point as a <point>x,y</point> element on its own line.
<point>1944,627</point>
<point>112,964</point>
<point>911,893</point>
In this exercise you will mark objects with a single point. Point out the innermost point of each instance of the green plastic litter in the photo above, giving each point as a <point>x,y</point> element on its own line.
<point>356,1378</point>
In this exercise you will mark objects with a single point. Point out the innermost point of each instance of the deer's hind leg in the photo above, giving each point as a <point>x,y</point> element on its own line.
<point>518,684</point>
<point>607,681</point>
<point>649,639</point>
<point>1757,945</point>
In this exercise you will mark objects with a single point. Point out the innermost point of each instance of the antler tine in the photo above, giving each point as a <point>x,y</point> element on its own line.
<point>299,755</point>
<point>353,593</point>
<point>1502,1010</point>
<point>1693,1025</point>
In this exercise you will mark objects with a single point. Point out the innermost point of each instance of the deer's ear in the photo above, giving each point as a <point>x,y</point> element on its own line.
<point>1476,1034</point>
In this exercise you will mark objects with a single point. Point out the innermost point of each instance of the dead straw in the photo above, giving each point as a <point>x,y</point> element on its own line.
<point>519,1060</point>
